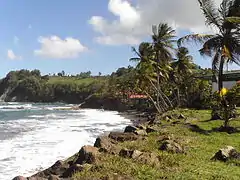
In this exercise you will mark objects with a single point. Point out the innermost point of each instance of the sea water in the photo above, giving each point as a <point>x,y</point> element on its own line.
<point>34,136</point>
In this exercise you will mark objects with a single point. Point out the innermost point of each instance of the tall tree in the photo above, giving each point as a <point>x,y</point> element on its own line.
<point>154,64</point>
<point>223,47</point>
<point>182,68</point>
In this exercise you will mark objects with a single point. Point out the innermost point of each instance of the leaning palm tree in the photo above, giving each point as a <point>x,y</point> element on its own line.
<point>224,46</point>
<point>154,63</point>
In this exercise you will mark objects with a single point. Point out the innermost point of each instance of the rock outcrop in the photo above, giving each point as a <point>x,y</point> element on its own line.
<point>226,153</point>
<point>171,146</point>
<point>121,137</point>
<point>107,145</point>
<point>143,157</point>
<point>87,154</point>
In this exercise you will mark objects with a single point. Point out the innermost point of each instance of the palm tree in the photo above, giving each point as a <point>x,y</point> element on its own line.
<point>184,62</point>
<point>182,67</point>
<point>154,63</point>
<point>224,46</point>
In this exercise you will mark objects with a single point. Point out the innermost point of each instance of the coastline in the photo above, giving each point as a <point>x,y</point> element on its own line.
<point>137,119</point>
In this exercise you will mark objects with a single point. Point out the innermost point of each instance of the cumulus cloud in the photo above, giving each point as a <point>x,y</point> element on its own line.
<point>11,55</point>
<point>133,22</point>
<point>55,47</point>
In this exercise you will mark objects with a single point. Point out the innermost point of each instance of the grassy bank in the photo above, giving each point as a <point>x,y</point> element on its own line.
<point>200,144</point>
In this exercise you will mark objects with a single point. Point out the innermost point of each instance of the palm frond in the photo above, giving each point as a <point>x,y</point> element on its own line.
<point>198,38</point>
<point>225,7</point>
<point>211,46</point>
<point>136,59</point>
<point>235,20</point>
<point>211,13</point>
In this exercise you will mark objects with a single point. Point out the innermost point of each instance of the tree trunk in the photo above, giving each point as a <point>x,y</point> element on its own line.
<point>178,97</point>
<point>220,74</point>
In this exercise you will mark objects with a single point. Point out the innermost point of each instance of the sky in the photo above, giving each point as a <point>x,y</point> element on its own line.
<point>81,35</point>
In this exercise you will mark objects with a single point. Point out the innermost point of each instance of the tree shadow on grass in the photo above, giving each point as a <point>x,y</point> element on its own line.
<point>196,128</point>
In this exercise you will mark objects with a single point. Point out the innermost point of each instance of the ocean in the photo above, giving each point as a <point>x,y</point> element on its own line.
<point>34,136</point>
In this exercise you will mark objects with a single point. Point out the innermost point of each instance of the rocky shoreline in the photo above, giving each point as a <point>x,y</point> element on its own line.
<point>139,144</point>
<point>88,155</point>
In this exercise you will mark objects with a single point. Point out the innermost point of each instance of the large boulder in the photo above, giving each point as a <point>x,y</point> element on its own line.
<point>148,158</point>
<point>56,169</point>
<point>72,170</point>
<point>121,137</point>
<point>171,146</point>
<point>143,157</point>
<point>126,153</point>
<point>226,154</point>
<point>107,145</point>
<point>87,154</point>
<point>130,129</point>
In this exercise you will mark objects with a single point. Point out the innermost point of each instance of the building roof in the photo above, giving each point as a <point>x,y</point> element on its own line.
<point>227,76</point>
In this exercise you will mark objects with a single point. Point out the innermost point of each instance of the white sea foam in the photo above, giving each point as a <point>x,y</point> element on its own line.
<point>46,138</point>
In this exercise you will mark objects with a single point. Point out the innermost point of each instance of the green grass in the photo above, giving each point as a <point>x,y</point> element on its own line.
<point>79,81</point>
<point>195,164</point>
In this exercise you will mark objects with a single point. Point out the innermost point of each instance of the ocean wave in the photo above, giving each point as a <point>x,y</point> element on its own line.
<point>41,139</point>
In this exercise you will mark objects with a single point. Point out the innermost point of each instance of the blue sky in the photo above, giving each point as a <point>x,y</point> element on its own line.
<point>100,34</point>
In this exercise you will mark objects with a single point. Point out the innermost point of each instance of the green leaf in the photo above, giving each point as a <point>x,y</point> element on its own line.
<point>235,20</point>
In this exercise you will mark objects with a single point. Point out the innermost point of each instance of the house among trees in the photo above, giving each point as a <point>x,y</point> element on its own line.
<point>230,78</point>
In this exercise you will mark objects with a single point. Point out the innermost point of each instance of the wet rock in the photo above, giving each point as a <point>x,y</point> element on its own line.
<point>19,178</point>
<point>226,154</point>
<point>72,170</point>
<point>118,136</point>
<point>87,154</point>
<point>130,129</point>
<point>56,169</point>
<point>107,145</point>
<point>171,146</point>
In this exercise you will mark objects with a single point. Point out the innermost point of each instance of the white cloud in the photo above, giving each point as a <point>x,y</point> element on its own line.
<point>133,22</point>
<point>15,40</point>
<point>11,55</point>
<point>55,47</point>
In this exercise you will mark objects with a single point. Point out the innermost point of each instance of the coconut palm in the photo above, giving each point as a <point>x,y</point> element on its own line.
<point>182,68</point>
<point>184,62</point>
<point>154,63</point>
<point>224,46</point>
